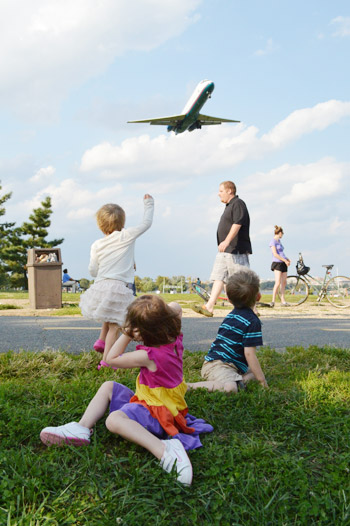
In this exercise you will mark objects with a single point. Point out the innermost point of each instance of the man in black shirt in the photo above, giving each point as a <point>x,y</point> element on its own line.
<point>233,240</point>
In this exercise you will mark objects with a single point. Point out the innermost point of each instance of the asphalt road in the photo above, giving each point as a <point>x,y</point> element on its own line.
<point>77,334</point>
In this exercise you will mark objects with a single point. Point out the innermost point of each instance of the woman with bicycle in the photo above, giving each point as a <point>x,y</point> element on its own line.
<point>280,264</point>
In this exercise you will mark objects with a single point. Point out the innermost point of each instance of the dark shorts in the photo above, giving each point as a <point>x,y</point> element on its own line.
<point>281,266</point>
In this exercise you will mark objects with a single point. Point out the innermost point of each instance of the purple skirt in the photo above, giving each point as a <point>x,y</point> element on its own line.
<point>120,402</point>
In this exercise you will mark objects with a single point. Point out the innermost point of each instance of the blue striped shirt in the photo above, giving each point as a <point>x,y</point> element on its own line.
<point>241,328</point>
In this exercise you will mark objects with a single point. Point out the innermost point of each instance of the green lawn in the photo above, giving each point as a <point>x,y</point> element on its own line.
<point>277,457</point>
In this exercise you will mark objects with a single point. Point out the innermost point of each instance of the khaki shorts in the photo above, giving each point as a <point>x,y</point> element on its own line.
<point>218,371</point>
<point>227,264</point>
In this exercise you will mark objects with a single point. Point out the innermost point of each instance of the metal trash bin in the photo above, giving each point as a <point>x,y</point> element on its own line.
<point>44,267</point>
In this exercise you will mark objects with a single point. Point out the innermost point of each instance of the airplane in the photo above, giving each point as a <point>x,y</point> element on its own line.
<point>190,119</point>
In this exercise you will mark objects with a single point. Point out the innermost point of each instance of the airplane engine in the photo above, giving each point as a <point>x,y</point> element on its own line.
<point>195,126</point>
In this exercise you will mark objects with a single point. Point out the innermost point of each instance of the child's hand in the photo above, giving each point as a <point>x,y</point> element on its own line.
<point>147,196</point>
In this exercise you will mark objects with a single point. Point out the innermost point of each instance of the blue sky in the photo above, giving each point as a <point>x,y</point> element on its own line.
<point>73,72</point>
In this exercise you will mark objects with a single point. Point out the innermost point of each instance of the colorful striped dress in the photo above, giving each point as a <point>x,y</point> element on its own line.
<point>162,395</point>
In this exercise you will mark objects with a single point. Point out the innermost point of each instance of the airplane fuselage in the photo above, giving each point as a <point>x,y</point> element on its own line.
<point>193,107</point>
<point>190,119</point>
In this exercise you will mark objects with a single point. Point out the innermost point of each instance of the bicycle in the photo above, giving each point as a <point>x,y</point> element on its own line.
<point>336,289</point>
<point>204,294</point>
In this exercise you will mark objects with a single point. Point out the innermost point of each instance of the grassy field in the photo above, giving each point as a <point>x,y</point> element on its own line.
<point>70,301</point>
<point>277,457</point>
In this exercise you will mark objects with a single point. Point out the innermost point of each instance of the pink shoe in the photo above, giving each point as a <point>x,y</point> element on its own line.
<point>99,346</point>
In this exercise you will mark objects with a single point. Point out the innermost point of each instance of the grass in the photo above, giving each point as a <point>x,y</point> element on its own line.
<point>277,457</point>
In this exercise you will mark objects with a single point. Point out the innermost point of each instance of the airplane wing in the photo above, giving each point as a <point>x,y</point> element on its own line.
<point>206,120</point>
<point>173,120</point>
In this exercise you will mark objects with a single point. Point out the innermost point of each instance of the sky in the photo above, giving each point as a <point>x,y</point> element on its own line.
<point>73,72</point>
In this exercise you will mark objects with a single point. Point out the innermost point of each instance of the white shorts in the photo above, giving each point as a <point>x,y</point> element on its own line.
<point>227,264</point>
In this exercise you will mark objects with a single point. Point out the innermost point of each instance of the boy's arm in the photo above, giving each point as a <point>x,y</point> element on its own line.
<point>254,365</point>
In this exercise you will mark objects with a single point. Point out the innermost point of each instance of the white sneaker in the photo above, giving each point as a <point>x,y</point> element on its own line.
<point>175,453</point>
<point>72,433</point>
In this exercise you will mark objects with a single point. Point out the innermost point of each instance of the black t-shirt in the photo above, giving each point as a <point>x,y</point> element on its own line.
<point>235,213</point>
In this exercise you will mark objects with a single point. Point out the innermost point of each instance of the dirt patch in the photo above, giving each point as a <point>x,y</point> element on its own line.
<point>306,310</point>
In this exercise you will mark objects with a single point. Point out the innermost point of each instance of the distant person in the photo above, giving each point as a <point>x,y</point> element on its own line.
<point>67,281</point>
<point>112,266</point>
<point>198,282</point>
<point>233,241</point>
<point>231,361</point>
<point>280,264</point>
<point>155,416</point>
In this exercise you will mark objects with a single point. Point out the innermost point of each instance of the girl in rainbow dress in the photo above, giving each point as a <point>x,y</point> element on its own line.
<point>155,416</point>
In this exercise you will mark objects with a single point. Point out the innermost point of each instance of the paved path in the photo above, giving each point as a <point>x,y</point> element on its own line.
<point>76,334</point>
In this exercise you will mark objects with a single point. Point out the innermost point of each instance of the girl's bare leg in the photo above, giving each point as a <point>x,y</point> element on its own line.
<point>120,424</point>
<point>111,338</point>
<point>283,286</point>
<point>98,405</point>
<point>278,275</point>
<point>103,332</point>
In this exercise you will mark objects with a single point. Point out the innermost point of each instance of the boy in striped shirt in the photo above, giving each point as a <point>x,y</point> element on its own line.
<point>231,361</point>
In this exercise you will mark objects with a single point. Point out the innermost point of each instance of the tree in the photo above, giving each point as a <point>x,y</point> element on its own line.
<point>32,234</point>
<point>160,281</point>
<point>5,229</point>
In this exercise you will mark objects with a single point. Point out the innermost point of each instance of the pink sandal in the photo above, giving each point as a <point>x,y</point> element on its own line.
<point>99,346</point>
<point>104,364</point>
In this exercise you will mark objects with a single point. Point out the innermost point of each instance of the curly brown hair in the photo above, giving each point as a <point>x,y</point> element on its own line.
<point>157,323</point>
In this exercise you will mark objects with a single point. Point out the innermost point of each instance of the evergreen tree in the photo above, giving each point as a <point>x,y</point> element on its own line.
<point>5,230</point>
<point>32,234</point>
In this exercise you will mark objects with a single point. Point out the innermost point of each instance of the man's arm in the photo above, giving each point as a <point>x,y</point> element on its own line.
<point>230,236</point>
<point>254,365</point>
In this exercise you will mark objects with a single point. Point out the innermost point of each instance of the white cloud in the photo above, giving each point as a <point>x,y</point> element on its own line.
<point>207,150</point>
<point>306,120</point>
<point>342,24</point>
<point>73,199</point>
<point>48,48</point>
<point>269,48</point>
<point>42,174</point>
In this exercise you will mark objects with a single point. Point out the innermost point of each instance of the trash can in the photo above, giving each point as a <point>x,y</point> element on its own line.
<point>44,278</point>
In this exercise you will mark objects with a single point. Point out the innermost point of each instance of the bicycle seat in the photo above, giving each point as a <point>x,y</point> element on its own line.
<point>328,267</point>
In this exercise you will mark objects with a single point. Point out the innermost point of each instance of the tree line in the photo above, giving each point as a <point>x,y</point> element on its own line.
<point>16,240</point>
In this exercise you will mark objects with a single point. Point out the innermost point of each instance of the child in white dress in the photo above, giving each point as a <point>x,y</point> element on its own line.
<point>112,266</point>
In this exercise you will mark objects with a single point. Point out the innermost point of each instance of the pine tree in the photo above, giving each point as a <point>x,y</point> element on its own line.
<point>5,230</point>
<point>32,234</point>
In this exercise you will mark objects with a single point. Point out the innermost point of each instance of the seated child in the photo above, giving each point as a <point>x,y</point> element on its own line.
<point>231,360</point>
<point>156,416</point>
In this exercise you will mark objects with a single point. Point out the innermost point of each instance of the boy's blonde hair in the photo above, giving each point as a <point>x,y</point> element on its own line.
<point>110,217</point>
<point>242,288</point>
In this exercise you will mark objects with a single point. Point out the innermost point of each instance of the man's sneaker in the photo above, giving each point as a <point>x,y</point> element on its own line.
<point>175,454</point>
<point>72,433</point>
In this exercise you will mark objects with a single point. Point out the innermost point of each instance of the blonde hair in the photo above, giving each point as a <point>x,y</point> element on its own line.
<point>242,288</point>
<point>229,185</point>
<point>110,217</point>
<point>278,229</point>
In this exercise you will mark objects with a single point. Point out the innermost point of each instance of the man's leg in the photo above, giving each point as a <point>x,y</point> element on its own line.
<point>215,293</point>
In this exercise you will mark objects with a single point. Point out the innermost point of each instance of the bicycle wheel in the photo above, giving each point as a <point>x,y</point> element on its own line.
<point>297,290</point>
<point>338,291</point>
<point>198,289</point>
